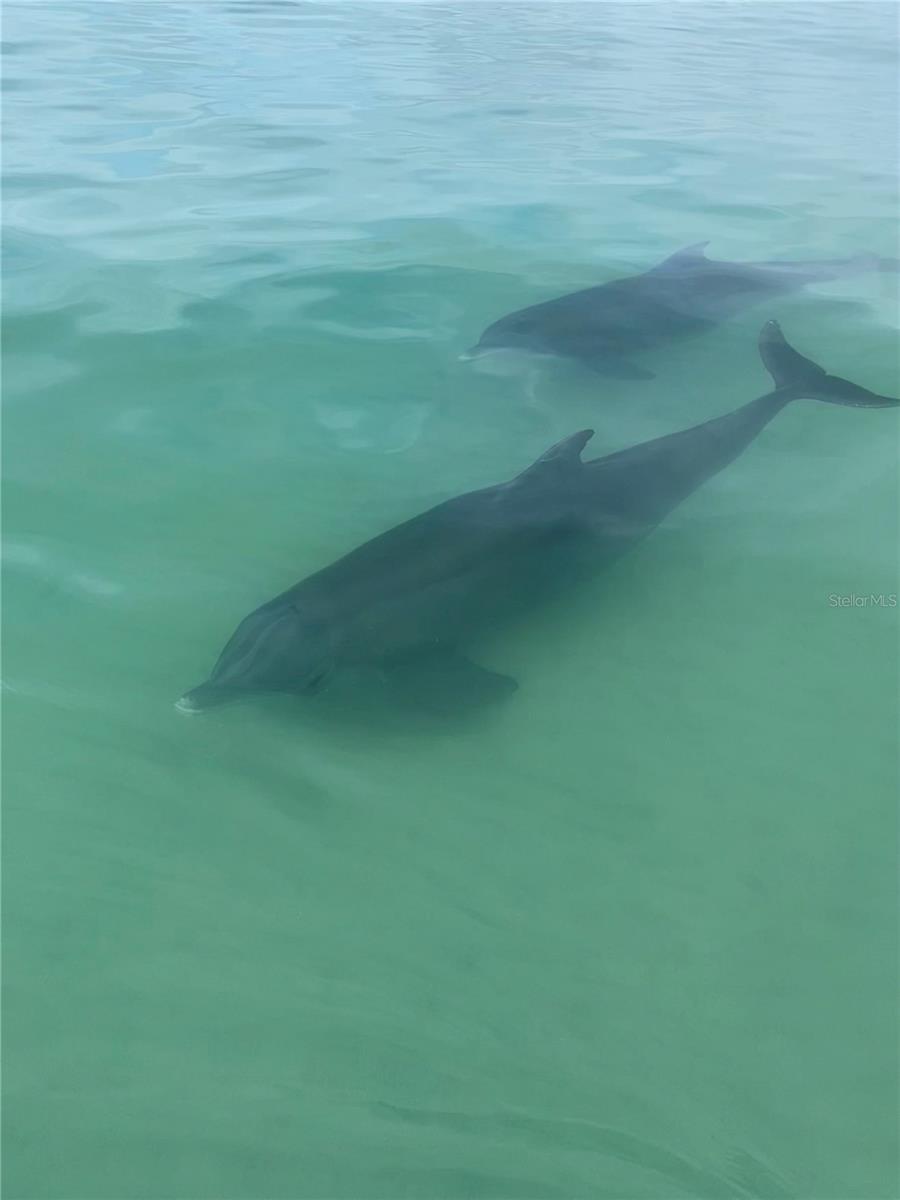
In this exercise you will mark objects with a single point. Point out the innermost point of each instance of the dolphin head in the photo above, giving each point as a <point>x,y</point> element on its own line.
<point>518,331</point>
<point>274,649</point>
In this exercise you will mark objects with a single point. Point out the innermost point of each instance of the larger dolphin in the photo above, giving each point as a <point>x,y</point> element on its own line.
<point>686,294</point>
<point>412,599</point>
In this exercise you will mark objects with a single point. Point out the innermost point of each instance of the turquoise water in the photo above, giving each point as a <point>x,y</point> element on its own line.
<point>632,934</point>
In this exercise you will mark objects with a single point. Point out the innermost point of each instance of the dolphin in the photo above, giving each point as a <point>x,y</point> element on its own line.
<point>686,294</point>
<point>411,600</point>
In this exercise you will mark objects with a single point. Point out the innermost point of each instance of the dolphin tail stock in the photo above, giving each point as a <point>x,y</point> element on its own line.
<point>887,262</point>
<point>801,378</point>
<point>865,261</point>
<point>825,270</point>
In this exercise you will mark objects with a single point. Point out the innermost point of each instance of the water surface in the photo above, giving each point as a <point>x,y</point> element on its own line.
<point>631,935</point>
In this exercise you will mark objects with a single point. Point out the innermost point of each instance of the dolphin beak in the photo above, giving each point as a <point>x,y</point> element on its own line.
<point>204,697</point>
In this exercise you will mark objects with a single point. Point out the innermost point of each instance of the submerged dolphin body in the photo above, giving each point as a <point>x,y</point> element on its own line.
<point>408,600</point>
<point>686,294</point>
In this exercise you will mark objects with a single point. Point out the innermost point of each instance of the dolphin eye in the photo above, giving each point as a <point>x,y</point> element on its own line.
<point>316,682</point>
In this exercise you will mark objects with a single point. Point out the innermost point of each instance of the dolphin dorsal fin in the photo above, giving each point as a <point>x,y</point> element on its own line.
<point>689,255</point>
<point>565,455</point>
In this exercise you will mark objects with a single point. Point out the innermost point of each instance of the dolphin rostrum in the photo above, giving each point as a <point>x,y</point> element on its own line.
<point>686,294</point>
<point>412,599</point>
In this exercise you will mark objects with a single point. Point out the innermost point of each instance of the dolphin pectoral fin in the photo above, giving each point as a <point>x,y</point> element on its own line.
<point>614,367</point>
<point>445,683</point>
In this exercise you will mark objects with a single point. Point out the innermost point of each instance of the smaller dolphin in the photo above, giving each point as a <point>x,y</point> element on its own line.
<point>686,294</point>
<point>411,600</point>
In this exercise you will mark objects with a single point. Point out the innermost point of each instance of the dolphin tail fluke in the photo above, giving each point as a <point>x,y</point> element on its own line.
<point>805,379</point>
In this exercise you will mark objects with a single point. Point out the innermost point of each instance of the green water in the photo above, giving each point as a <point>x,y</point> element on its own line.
<point>631,935</point>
